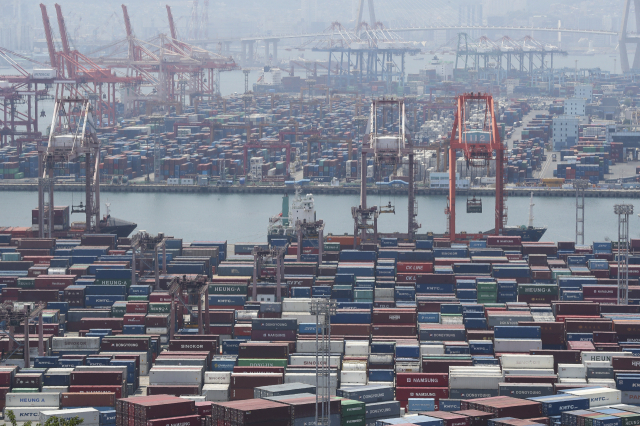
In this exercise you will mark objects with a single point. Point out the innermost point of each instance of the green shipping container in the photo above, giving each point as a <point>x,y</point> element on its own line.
<point>113,282</point>
<point>249,362</point>
<point>228,289</point>
<point>538,289</point>
<point>118,311</point>
<point>331,246</point>
<point>351,408</point>
<point>353,421</point>
<point>159,308</point>
<point>26,283</point>
<point>137,298</point>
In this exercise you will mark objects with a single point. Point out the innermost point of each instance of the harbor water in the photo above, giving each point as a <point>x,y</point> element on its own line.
<point>244,218</point>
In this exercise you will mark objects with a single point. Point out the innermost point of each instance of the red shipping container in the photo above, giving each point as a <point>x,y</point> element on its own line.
<point>176,421</point>
<point>449,419</point>
<point>118,391</point>
<point>419,267</point>
<point>132,319</point>
<point>432,392</point>
<point>422,380</point>
<point>137,307</point>
<point>75,399</point>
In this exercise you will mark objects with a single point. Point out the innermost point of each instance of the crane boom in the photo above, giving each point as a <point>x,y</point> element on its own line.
<point>49,35</point>
<point>65,41</point>
<point>172,26</point>
<point>127,23</point>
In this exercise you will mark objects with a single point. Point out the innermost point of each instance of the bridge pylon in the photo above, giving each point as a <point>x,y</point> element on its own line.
<point>625,38</point>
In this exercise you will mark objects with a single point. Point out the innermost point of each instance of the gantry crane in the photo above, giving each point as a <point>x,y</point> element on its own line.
<point>386,149</point>
<point>475,133</point>
<point>73,135</point>
<point>11,318</point>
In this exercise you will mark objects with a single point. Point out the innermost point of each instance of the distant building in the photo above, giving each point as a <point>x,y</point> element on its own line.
<point>444,70</point>
<point>583,91</point>
<point>565,131</point>
<point>574,106</point>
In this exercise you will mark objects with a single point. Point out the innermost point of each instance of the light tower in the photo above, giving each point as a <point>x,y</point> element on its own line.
<point>580,185</point>
<point>623,211</point>
<point>323,309</point>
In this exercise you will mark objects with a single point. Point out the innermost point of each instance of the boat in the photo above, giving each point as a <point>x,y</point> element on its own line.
<point>525,232</point>
<point>111,225</point>
<point>302,209</point>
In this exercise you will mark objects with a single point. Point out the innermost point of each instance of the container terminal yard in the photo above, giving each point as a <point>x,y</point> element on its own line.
<point>112,325</point>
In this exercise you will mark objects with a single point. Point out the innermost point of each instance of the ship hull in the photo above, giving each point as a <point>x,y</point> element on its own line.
<point>119,227</point>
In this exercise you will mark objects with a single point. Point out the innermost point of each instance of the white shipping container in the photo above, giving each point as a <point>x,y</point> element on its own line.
<point>25,414</point>
<point>43,73</point>
<point>303,317</point>
<point>120,368</point>
<point>453,319</point>
<point>353,377</point>
<point>384,292</point>
<point>216,392</point>
<point>407,367</point>
<point>173,181</point>
<point>79,343</point>
<point>630,397</point>
<point>526,361</point>
<point>310,361</point>
<point>576,371</point>
<point>354,366</point>
<point>55,389</point>
<point>246,315</point>
<point>309,346</point>
<point>157,330</point>
<point>605,383</point>
<point>572,381</point>
<point>599,396</point>
<point>175,376</point>
<point>431,349</point>
<point>602,356</point>
<point>475,382</point>
<point>89,416</point>
<point>196,398</point>
<point>528,372</point>
<point>596,364</point>
<point>516,345</point>
<point>356,348</point>
<point>296,305</point>
<point>217,377</point>
<point>380,358</point>
<point>42,399</point>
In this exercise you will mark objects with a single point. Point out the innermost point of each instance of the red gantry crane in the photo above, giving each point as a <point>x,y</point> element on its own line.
<point>475,133</point>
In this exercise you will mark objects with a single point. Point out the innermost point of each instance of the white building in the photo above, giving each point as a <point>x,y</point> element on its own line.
<point>441,180</point>
<point>584,91</point>
<point>565,131</point>
<point>444,70</point>
<point>574,106</point>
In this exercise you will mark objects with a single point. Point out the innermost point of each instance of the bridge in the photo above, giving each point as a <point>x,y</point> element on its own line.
<point>624,37</point>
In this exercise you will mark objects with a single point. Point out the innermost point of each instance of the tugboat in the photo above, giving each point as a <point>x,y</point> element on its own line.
<point>284,225</point>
